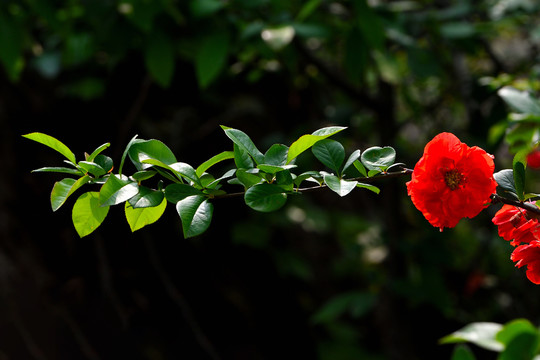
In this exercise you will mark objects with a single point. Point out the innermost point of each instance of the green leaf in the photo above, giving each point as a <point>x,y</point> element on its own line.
<point>352,158</point>
<point>53,143</point>
<point>96,152</point>
<point>195,213</point>
<point>64,188</point>
<point>360,167</point>
<point>520,101</point>
<point>179,169</point>
<point>116,191</point>
<point>62,170</point>
<point>505,182</point>
<point>176,192</point>
<point>244,142</point>
<point>355,303</point>
<point>211,57</point>
<point>143,175</point>
<point>125,154</point>
<point>276,155</point>
<point>88,214</point>
<point>142,150</point>
<point>518,164</point>
<point>248,178</point>
<point>92,168</point>
<point>137,218</point>
<point>105,162</point>
<point>462,352</point>
<point>515,328</point>
<point>313,176</point>
<point>339,186</point>
<point>273,169</point>
<point>242,160</point>
<point>378,158</point>
<point>330,152</point>
<point>146,197</point>
<point>225,155</point>
<point>265,197</point>
<point>370,187</point>
<point>479,333</point>
<point>159,58</point>
<point>522,347</point>
<point>307,141</point>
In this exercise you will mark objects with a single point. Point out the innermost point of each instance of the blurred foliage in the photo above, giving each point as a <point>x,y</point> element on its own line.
<point>325,277</point>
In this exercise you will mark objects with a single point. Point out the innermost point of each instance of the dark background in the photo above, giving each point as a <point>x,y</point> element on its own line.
<point>360,277</point>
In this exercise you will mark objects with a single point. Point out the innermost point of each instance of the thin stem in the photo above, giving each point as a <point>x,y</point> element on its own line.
<point>495,199</point>
<point>403,172</point>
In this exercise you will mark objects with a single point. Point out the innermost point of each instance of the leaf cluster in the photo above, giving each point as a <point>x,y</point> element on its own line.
<point>266,179</point>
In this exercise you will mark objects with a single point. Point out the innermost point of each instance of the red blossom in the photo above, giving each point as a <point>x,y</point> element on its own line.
<point>529,255</point>
<point>451,181</point>
<point>516,225</point>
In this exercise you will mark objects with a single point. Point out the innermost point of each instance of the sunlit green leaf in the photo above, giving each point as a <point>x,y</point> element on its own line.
<point>225,155</point>
<point>53,143</point>
<point>96,152</point>
<point>92,168</point>
<point>137,218</point>
<point>307,141</point>
<point>64,188</point>
<point>88,214</point>
<point>479,333</point>
<point>142,150</point>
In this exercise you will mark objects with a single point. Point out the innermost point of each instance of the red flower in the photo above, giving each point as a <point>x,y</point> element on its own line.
<point>516,224</point>
<point>451,181</point>
<point>529,254</point>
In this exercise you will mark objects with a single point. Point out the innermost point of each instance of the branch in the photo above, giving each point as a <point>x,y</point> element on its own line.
<point>405,171</point>
<point>495,199</point>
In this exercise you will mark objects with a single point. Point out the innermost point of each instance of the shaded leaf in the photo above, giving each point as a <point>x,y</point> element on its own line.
<point>176,192</point>
<point>116,190</point>
<point>265,197</point>
<point>330,152</point>
<point>244,142</point>
<point>146,197</point>
<point>159,58</point>
<point>211,57</point>
<point>195,213</point>
<point>378,158</point>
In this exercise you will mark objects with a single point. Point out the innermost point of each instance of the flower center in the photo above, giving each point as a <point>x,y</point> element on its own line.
<point>453,179</point>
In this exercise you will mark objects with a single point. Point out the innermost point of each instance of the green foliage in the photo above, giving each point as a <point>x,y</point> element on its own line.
<point>266,178</point>
<point>517,339</point>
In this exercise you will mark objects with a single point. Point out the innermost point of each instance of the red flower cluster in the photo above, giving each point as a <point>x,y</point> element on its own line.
<point>451,181</point>
<point>522,229</point>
